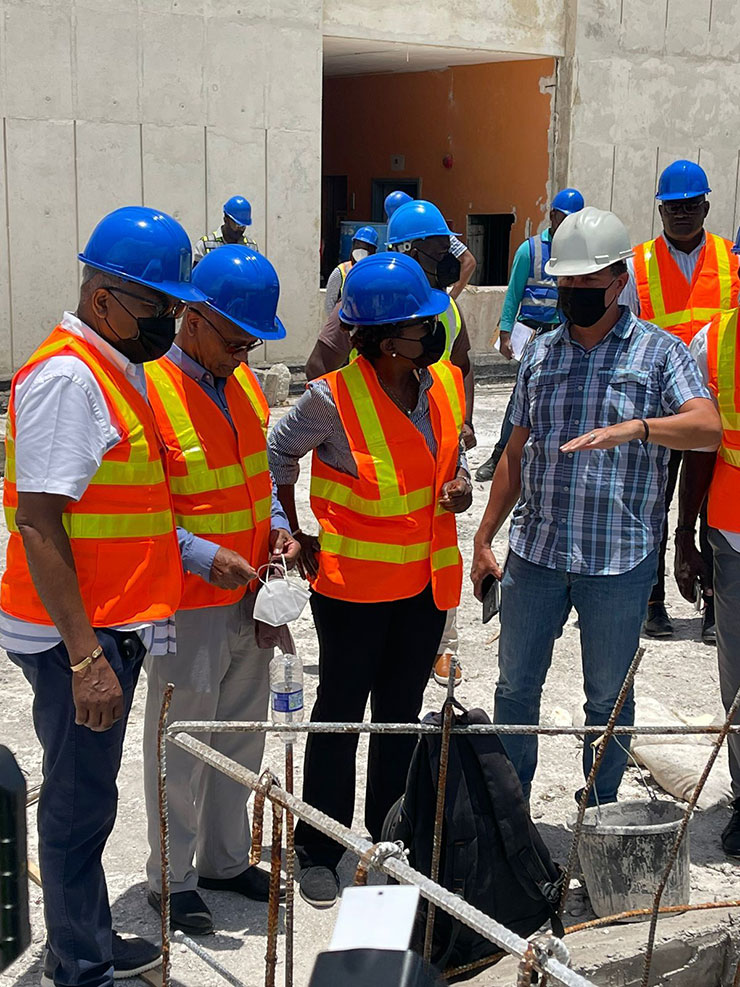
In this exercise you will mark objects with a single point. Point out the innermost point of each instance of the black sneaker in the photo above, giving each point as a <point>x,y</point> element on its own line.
<point>731,832</point>
<point>188,912</point>
<point>708,627</point>
<point>252,883</point>
<point>319,886</point>
<point>486,470</point>
<point>657,623</point>
<point>130,958</point>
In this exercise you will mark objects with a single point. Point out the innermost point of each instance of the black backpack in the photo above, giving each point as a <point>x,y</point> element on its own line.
<point>492,855</point>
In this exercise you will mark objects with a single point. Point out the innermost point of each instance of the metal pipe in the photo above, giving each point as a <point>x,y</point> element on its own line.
<point>164,832</point>
<point>396,868</point>
<point>273,903</point>
<point>503,729</point>
<point>603,744</point>
<point>673,855</point>
<point>207,958</point>
<point>289,870</point>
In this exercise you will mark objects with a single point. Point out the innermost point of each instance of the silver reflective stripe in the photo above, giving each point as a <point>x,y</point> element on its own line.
<point>536,301</point>
<point>537,268</point>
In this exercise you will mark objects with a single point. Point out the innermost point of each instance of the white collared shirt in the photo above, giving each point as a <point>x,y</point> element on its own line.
<point>686,265</point>
<point>63,428</point>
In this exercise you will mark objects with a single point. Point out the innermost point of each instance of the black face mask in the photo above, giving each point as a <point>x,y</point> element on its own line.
<point>584,306</point>
<point>432,346</point>
<point>156,335</point>
<point>448,271</point>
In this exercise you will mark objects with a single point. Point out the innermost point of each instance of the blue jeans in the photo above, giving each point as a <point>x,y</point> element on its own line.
<point>535,603</point>
<point>77,808</point>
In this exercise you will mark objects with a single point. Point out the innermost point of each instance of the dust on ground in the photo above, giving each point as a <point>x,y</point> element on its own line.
<point>681,672</point>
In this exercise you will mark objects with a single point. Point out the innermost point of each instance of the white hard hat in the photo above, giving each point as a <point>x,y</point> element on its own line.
<point>588,241</point>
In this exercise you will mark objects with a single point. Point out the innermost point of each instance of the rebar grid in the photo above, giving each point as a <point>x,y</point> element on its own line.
<point>164,832</point>
<point>392,866</point>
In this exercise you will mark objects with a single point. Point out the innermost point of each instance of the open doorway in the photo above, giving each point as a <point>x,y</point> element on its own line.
<point>333,211</point>
<point>489,238</point>
<point>381,187</point>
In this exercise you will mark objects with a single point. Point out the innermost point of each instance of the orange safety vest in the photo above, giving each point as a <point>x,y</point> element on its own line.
<point>383,535</point>
<point>669,301</point>
<point>344,269</point>
<point>219,477</point>
<point>723,359</point>
<point>122,529</point>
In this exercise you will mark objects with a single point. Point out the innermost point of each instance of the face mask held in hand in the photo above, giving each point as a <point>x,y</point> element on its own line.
<point>584,306</point>
<point>279,599</point>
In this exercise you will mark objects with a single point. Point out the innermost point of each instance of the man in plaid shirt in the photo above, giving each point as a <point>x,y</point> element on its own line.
<point>599,403</point>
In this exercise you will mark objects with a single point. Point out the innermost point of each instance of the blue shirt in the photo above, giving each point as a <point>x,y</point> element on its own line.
<point>197,553</point>
<point>599,512</point>
<point>517,283</point>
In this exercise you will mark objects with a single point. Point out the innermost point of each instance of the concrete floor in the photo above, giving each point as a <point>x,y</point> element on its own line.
<point>680,671</point>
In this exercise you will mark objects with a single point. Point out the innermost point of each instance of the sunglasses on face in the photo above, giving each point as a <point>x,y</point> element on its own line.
<point>428,325</point>
<point>685,207</point>
<point>163,306</point>
<point>233,348</point>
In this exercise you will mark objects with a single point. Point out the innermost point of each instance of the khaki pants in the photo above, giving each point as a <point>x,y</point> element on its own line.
<point>448,644</point>
<point>219,673</point>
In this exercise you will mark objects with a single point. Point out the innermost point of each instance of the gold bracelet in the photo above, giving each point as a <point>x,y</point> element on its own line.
<point>87,661</point>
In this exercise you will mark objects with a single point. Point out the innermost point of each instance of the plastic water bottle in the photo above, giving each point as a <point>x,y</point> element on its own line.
<point>286,692</point>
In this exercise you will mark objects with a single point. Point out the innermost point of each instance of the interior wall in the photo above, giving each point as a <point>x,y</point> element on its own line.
<point>492,118</point>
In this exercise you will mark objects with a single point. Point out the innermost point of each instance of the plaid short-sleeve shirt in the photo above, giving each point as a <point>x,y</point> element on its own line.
<point>598,512</point>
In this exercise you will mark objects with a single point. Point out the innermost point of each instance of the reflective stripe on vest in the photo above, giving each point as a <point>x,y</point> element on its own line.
<point>669,301</point>
<point>383,535</point>
<point>122,530</point>
<point>344,269</point>
<point>216,239</point>
<point>540,296</point>
<point>723,361</point>
<point>452,322</point>
<point>219,475</point>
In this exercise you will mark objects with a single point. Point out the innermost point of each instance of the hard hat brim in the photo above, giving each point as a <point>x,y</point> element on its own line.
<point>277,332</point>
<point>439,302</point>
<point>672,196</point>
<point>406,239</point>
<point>238,221</point>
<point>572,269</point>
<point>183,291</point>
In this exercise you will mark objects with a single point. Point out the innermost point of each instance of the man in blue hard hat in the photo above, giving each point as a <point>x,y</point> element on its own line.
<point>532,299</point>
<point>364,244</point>
<point>94,571</point>
<point>458,250</point>
<point>679,281</point>
<point>237,217</point>
<point>209,403</point>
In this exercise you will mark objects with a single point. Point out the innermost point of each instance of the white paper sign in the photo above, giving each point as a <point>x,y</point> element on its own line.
<point>520,336</point>
<point>376,918</point>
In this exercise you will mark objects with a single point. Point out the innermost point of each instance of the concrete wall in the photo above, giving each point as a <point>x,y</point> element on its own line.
<point>468,111</point>
<point>175,104</point>
<point>649,81</point>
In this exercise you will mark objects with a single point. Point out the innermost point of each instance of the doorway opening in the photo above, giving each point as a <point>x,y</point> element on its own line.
<point>489,238</point>
<point>381,187</point>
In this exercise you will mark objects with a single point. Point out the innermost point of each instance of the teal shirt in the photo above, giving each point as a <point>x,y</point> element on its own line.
<point>517,283</point>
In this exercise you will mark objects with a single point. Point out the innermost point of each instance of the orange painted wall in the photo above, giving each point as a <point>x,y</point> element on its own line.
<point>492,118</point>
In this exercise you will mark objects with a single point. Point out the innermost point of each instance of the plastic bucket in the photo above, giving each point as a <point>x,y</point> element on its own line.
<point>623,851</point>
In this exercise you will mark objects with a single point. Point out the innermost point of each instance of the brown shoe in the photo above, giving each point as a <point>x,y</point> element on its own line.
<point>442,670</point>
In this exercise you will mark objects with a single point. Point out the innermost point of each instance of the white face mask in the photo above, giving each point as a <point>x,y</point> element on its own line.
<point>279,599</point>
<point>358,253</point>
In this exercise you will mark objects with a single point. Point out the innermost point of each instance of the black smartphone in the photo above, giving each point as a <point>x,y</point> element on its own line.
<point>491,589</point>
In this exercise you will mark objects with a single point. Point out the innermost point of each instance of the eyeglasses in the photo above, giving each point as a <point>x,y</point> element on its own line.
<point>167,306</point>
<point>687,206</point>
<point>429,325</point>
<point>233,348</point>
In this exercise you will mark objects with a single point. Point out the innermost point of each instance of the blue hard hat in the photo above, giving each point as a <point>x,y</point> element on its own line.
<point>243,286</point>
<point>146,246</point>
<point>239,209</point>
<point>387,288</point>
<point>417,220</point>
<point>395,199</point>
<point>736,248</point>
<point>682,180</point>
<point>366,234</point>
<point>568,200</point>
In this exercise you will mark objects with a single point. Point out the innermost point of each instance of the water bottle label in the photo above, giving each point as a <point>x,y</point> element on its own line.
<point>287,702</point>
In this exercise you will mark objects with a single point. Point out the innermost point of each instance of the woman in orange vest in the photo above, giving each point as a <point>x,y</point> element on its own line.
<point>387,478</point>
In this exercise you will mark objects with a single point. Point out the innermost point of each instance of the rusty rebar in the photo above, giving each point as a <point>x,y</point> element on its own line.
<point>164,832</point>
<point>487,961</point>
<point>395,868</point>
<point>439,814</point>
<point>527,968</point>
<point>596,923</point>
<point>289,870</point>
<point>258,817</point>
<point>273,903</point>
<point>219,968</point>
<point>673,855</point>
<point>606,736</point>
<point>483,729</point>
<point>736,981</point>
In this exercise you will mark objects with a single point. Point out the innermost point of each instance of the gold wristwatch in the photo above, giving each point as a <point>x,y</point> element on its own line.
<point>87,661</point>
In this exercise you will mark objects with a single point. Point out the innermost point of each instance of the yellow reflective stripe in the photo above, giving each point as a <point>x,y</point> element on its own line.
<point>370,551</point>
<point>731,456</point>
<point>109,525</point>
<point>248,383</point>
<point>450,334</point>
<point>112,472</point>
<point>9,458</point>
<point>445,557</point>
<point>216,524</point>
<point>444,372</point>
<point>353,354</point>
<point>398,506</point>
<point>653,278</point>
<point>725,277</point>
<point>182,425</point>
<point>206,480</point>
<point>687,315</point>
<point>256,463</point>
<point>263,508</point>
<point>727,385</point>
<point>367,414</point>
